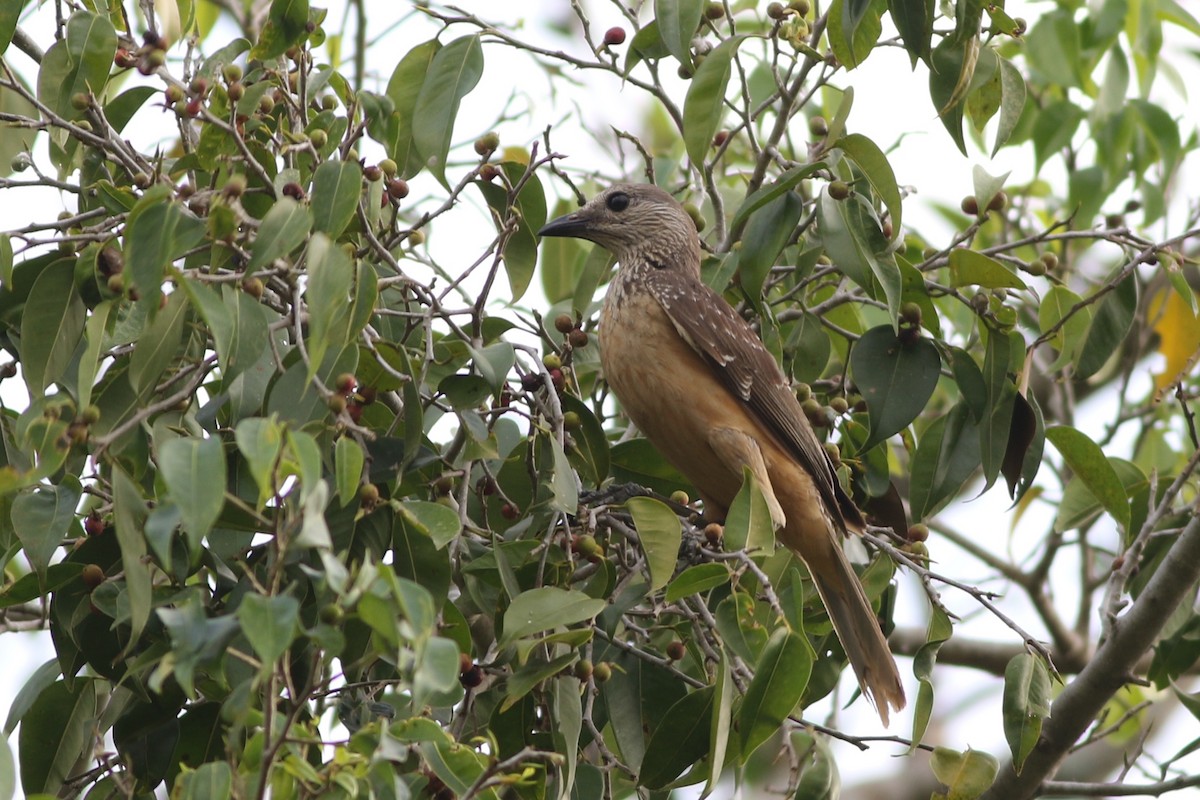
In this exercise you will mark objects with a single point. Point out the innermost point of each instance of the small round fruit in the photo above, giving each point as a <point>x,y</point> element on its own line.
<point>93,525</point>
<point>910,312</point>
<point>838,190</point>
<point>90,415</point>
<point>583,669</point>
<point>266,104</point>
<point>578,338</point>
<point>368,494</point>
<point>680,497</point>
<point>564,323</point>
<point>337,403</point>
<point>489,172</point>
<point>614,36</point>
<point>552,361</point>
<point>319,138</point>
<point>509,511</point>
<point>397,188</point>
<point>486,145</point>
<point>329,102</point>
<point>1036,268</point>
<point>676,650</point>
<point>345,382</point>
<point>173,94</point>
<point>818,126</point>
<point>714,532</point>
<point>833,451</point>
<point>232,73</point>
<point>389,167</point>
<point>970,206</point>
<point>602,672</point>
<point>720,138</point>
<point>531,381</point>
<point>918,532</point>
<point>557,379</point>
<point>714,11</point>
<point>775,10</point>
<point>811,406</point>
<point>332,614</point>
<point>979,302</point>
<point>801,7</point>
<point>572,421</point>
<point>1050,260</point>
<point>998,202</point>
<point>839,405</point>
<point>92,576</point>
<point>293,190</point>
<point>803,392</point>
<point>472,677</point>
<point>116,283</point>
<point>693,211</point>
<point>235,186</point>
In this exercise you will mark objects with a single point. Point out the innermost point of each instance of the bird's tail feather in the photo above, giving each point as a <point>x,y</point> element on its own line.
<point>857,628</point>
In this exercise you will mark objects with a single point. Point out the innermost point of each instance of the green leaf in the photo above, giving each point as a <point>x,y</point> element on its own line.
<point>749,526</point>
<point>453,72</point>
<point>194,472</point>
<point>330,275</point>
<point>937,632</point>
<point>211,780</point>
<point>780,677</point>
<point>969,268</point>
<point>1111,322</point>
<point>660,534</point>
<point>41,520</point>
<point>158,232</point>
<point>966,775</point>
<point>158,345</point>
<point>283,229</point>
<point>521,246</point>
<point>854,239</point>
<point>878,170</point>
<point>269,623</point>
<point>13,142</point>
<point>286,26</point>
<point>547,607</point>
<point>336,187</point>
<point>1061,303</point>
<point>564,490</point>
<point>403,89</point>
<point>440,523</point>
<point>260,441</point>
<point>57,730</point>
<point>568,716</point>
<point>51,326</point>
<point>78,64</point>
<point>648,44</point>
<point>914,20</point>
<point>1026,704</point>
<point>1088,462</point>
<point>1012,103</point>
<point>768,232</point>
<point>129,512</point>
<point>10,14</point>
<point>348,465</point>
<point>895,379</point>
<point>1053,129</point>
<point>678,21</point>
<point>705,102</point>
<point>679,741</point>
<point>697,579</point>
<point>590,456</point>
<point>854,28</point>
<point>722,721</point>
<point>770,192</point>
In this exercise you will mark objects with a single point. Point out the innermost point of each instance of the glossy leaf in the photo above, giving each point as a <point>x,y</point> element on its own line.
<point>51,326</point>
<point>696,579</point>
<point>41,519</point>
<point>78,64</point>
<point>660,534</point>
<point>330,275</point>
<point>403,89</point>
<point>158,345</point>
<point>1087,460</point>
<point>1111,320</point>
<point>705,101</point>
<point>269,623</point>
<point>548,607</point>
<point>969,268</point>
<point>896,379</point>
<point>129,518</point>
<point>453,72</point>
<point>784,183</point>
<point>1026,704</point>
<point>55,732</point>
<point>194,471</point>
<point>677,23</point>
<point>521,246</point>
<point>769,230</point>
<point>680,741</point>
<point>439,523</point>
<point>1061,310</point>
<point>780,677</point>
<point>966,775</point>
<point>854,28</point>
<point>158,232</point>
<point>914,20</point>
<point>285,27</point>
<point>878,170</point>
<point>936,634</point>
<point>348,466</point>
<point>749,525</point>
<point>283,229</point>
<point>854,240</point>
<point>335,192</point>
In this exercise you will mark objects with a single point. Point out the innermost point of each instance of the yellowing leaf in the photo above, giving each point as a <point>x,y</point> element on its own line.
<point>1178,329</point>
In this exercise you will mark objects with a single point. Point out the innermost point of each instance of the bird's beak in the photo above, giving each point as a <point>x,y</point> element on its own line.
<point>567,225</point>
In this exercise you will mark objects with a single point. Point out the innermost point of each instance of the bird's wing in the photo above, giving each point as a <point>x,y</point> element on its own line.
<point>744,365</point>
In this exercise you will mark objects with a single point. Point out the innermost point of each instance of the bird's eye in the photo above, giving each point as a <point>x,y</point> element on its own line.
<point>618,201</point>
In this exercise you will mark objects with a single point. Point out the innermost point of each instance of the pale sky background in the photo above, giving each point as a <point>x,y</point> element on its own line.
<point>891,106</point>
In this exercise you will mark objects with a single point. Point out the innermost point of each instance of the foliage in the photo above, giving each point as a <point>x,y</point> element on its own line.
<point>312,503</point>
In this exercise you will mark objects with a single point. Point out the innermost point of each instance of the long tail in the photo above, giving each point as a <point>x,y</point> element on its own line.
<point>855,623</point>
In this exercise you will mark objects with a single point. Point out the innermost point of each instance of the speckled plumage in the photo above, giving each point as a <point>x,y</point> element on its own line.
<point>697,381</point>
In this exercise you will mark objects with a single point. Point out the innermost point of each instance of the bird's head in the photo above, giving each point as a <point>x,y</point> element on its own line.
<point>636,222</point>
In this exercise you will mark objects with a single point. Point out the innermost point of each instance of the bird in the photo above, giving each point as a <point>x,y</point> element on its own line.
<point>697,381</point>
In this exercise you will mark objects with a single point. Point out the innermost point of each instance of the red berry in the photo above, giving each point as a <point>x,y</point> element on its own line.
<point>509,511</point>
<point>397,188</point>
<point>93,525</point>
<point>614,36</point>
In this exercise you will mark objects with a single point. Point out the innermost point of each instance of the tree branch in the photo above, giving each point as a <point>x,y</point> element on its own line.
<point>1132,636</point>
